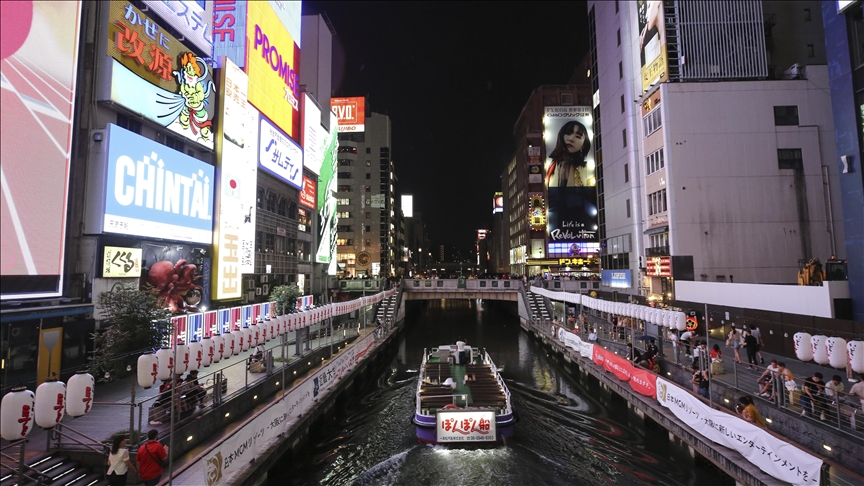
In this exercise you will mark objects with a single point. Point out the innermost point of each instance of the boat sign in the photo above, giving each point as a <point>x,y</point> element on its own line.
<point>465,426</point>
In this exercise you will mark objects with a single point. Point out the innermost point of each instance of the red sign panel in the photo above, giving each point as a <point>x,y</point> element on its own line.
<point>659,266</point>
<point>308,193</point>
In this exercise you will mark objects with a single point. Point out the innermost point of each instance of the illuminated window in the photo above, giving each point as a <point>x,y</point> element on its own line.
<point>343,188</point>
<point>343,215</point>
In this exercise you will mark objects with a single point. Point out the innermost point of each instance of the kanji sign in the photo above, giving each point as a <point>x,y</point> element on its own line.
<point>190,18</point>
<point>465,426</point>
<point>121,262</point>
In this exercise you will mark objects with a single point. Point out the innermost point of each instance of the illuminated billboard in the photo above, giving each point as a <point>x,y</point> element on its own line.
<point>236,153</point>
<point>191,19</point>
<point>279,155</point>
<point>351,113</point>
<point>651,42</point>
<point>155,191</point>
<point>407,205</point>
<point>308,194</point>
<point>273,66</point>
<point>39,56</point>
<point>314,135</point>
<point>121,262</point>
<point>327,206</point>
<point>153,74</point>
<point>229,32</point>
<point>571,203</point>
<point>498,203</point>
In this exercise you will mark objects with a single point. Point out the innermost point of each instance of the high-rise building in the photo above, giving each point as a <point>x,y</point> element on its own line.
<point>366,200</point>
<point>714,161</point>
<point>844,33</point>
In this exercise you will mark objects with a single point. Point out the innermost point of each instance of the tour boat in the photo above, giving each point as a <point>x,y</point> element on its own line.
<point>461,397</point>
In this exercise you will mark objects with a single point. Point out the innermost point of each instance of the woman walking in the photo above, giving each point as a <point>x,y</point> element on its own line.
<point>734,340</point>
<point>118,462</point>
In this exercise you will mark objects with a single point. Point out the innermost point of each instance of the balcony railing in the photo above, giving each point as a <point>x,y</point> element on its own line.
<point>657,251</point>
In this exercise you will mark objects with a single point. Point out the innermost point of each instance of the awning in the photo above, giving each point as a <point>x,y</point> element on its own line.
<point>654,231</point>
<point>16,315</point>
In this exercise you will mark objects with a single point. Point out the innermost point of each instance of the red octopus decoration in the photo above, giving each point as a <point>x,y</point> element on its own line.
<point>176,286</point>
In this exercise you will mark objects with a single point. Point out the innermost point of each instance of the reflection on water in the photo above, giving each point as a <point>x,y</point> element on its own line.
<point>568,434</point>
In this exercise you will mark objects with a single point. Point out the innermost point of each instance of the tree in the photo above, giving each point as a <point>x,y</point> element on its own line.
<point>285,297</point>
<point>136,324</point>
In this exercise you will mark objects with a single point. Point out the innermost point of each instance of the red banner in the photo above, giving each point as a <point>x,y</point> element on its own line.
<point>599,356</point>
<point>619,366</point>
<point>308,193</point>
<point>644,382</point>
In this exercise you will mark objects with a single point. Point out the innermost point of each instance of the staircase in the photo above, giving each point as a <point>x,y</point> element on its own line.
<point>538,307</point>
<point>386,310</point>
<point>54,469</point>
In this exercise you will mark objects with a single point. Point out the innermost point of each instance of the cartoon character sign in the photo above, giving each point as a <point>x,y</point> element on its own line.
<point>195,90</point>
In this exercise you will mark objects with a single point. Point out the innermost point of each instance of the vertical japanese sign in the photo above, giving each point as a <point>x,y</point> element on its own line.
<point>39,57</point>
<point>308,195</point>
<point>191,18</point>
<point>279,155</point>
<point>155,75</point>
<point>571,203</point>
<point>273,66</point>
<point>236,151</point>
<point>651,42</point>
<point>327,215</point>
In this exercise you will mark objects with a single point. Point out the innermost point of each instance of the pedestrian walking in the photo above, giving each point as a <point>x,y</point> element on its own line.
<point>752,347</point>
<point>118,462</point>
<point>733,340</point>
<point>758,335</point>
<point>150,457</point>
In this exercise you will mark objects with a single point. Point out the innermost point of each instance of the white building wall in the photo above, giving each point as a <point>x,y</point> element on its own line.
<point>732,208</point>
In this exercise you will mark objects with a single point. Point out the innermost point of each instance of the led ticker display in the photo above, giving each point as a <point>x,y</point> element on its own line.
<point>659,267</point>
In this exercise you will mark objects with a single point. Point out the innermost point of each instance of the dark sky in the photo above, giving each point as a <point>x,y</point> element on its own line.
<point>453,77</point>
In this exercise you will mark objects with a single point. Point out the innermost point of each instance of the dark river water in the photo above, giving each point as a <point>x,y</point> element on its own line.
<point>568,434</point>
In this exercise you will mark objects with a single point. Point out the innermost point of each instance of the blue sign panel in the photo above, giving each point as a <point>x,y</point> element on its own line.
<point>279,155</point>
<point>154,191</point>
<point>619,279</point>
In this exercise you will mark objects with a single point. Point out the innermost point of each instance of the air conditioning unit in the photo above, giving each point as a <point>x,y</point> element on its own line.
<point>257,291</point>
<point>265,290</point>
<point>264,278</point>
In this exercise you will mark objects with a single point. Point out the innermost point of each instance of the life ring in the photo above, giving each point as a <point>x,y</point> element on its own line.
<point>450,406</point>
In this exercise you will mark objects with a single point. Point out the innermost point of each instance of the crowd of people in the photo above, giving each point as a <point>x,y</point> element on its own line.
<point>188,394</point>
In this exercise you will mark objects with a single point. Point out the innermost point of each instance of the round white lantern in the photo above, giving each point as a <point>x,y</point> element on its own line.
<point>820,353</point>
<point>218,347</point>
<point>836,349</point>
<point>181,365</point>
<point>681,321</point>
<point>256,335</point>
<point>165,359</point>
<point>196,355</point>
<point>50,403</point>
<point>248,337</point>
<point>233,343</point>
<point>271,328</point>
<point>79,394</point>
<point>265,332</point>
<point>148,370</point>
<point>855,355</point>
<point>17,411</point>
<point>209,346</point>
<point>803,349</point>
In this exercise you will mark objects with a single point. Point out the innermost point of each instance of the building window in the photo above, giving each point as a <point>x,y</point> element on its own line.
<point>343,214</point>
<point>282,208</point>
<point>368,188</point>
<point>624,137</point>
<point>619,37</point>
<point>622,103</point>
<point>345,163</point>
<point>368,150</point>
<point>368,163</point>
<point>343,188</point>
<point>811,52</point>
<point>344,149</point>
<point>657,202</point>
<point>368,228</point>
<point>260,198</point>
<point>654,162</point>
<point>368,175</point>
<point>652,122</point>
<point>807,15</point>
<point>785,116</point>
<point>130,124</point>
<point>616,6</point>
<point>790,159</point>
<point>566,98</point>
<point>271,203</point>
<point>620,70</point>
<point>626,172</point>
<point>628,208</point>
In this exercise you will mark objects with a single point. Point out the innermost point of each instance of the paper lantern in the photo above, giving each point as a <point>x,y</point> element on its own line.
<point>271,329</point>
<point>165,359</point>
<point>218,347</point>
<point>79,394</point>
<point>803,350</point>
<point>181,364</point>
<point>209,351</point>
<point>50,403</point>
<point>835,347</point>
<point>820,353</point>
<point>248,336</point>
<point>148,370</point>
<point>17,411</point>
<point>681,321</point>
<point>255,335</point>
<point>231,344</point>
<point>855,355</point>
<point>196,355</point>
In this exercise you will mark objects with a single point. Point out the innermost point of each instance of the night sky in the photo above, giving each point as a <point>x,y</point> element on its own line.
<point>453,78</point>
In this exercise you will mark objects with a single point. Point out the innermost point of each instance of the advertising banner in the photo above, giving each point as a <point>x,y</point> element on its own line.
<point>280,155</point>
<point>121,262</point>
<point>191,19</point>
<point>155,75</point>
<point>236,153</point>
<point>273,66</point>
<point>498,203</point>
<point>229,32</point>
<point>327,214</point>
<point>569,174</point>
<point>659,266</point>
<point>155,191</point>
<point>465,426</point>
<point>780,459</point>
<point>643,381</point>
<point>351,113</point>
<point>651,42</point>
<point>39,57</point>
<point>407,201</point>
<point>308,195</point>
<point>314,135</point>
<point>619,279</point>
<point>536,211</point>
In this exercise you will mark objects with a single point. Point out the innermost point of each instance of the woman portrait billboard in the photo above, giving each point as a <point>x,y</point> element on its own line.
<point>569,174</point>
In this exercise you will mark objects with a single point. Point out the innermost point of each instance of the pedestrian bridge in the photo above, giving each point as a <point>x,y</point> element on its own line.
<point>463,288</point>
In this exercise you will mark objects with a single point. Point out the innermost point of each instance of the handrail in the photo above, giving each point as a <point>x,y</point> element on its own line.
<point>14,469</point>
<point>58,429</point>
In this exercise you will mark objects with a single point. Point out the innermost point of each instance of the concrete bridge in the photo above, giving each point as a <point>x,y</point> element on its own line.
<point>463,288</point>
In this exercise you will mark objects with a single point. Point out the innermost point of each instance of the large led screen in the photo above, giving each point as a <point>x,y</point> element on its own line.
<point>154,191</point>
<point>39,55</point>
<point>571,205</point>
<point>651,42</point>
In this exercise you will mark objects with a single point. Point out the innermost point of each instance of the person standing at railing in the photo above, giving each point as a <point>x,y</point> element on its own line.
<point>857,390</point>
<point>811,394</point>
<point>748,411</point>
<point>833,389</point>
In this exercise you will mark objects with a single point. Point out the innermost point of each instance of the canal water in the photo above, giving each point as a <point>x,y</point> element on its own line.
<point>568,434</point>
